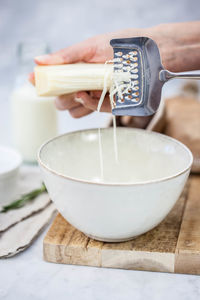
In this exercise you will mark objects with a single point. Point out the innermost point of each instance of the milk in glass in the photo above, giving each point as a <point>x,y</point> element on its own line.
<point>34,118</point>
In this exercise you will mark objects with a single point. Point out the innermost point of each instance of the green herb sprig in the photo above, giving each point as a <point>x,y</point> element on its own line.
<point>24,199</point>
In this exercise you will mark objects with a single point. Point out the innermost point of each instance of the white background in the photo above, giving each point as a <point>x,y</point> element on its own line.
<point>61,23</point>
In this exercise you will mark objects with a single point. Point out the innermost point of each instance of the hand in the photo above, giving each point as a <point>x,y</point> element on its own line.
<point>93,50</point>
<point>179,45</point>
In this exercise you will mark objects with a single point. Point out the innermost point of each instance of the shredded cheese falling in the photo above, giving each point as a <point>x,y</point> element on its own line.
<point>122,83</point>
<point>100,155</point>
<point>113,90</point>
<point>103,94</point>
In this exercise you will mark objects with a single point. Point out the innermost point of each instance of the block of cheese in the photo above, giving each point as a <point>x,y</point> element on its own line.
<point>69,78</point>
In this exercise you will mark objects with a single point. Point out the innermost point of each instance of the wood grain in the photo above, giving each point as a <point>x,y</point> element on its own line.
<point>173,246</point>
<point>188,245</point>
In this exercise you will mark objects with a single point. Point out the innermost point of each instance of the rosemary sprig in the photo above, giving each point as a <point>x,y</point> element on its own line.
<point>24,199</point>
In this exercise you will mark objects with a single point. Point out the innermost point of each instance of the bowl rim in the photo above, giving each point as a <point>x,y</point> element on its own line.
<point>113,183</point>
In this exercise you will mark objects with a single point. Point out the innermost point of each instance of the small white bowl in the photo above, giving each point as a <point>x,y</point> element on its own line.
<point>10,161</point>
<point>137,193</point>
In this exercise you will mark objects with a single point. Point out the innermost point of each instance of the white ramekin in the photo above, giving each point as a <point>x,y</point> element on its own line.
<point>10,161</point>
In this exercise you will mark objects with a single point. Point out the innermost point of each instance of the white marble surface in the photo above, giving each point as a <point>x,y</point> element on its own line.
<point>61,23</point>
<point>27,276</point>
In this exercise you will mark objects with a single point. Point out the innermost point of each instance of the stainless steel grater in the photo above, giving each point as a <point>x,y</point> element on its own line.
<point>141,58</point>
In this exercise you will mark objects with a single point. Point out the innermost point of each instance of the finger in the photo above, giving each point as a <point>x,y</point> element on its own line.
<point>78,52</point>
<point>31,78</point>
<point>92,102</point>
<point>96,94</point>
<point>66,102</point>
<point>80,111</point>
<point>126,120</point>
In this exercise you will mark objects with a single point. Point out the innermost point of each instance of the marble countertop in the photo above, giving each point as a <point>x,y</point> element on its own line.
<point>61,23</point>
<point>27,276</point>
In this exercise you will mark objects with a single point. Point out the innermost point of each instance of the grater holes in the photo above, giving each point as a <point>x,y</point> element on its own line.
<point>119,66</point>
<point>121,100</point>
<point>127,68</point>
<point>118,53</point>
<point>135,88</point>
<point>134,71</point>
<point>128,90</point>
<point>128,97</point>
<point>133,53</point>
<point>134,76</point>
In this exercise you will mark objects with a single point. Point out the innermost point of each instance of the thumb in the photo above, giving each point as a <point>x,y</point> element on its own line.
<point>72,54</point>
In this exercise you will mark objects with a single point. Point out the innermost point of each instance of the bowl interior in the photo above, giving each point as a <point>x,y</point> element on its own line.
<point>142,156</point>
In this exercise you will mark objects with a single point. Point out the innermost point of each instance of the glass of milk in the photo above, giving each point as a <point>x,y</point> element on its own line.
<point>34,118</point>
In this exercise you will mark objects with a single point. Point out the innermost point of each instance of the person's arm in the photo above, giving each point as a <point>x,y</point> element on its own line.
<point>179,46</point>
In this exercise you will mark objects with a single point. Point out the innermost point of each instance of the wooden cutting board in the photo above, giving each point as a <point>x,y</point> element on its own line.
<point>173,246</point>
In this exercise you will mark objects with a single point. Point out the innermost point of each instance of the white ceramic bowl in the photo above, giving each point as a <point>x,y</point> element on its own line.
<point>10,161</point>
<point>138,192</point>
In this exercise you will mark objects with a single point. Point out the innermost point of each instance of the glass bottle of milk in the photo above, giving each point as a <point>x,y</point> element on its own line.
<point>34,118</point>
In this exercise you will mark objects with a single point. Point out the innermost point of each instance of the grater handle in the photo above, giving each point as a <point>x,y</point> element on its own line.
<point>165,75</point>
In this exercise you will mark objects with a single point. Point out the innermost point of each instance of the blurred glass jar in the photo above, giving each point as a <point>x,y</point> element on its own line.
<point>34,118</point>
